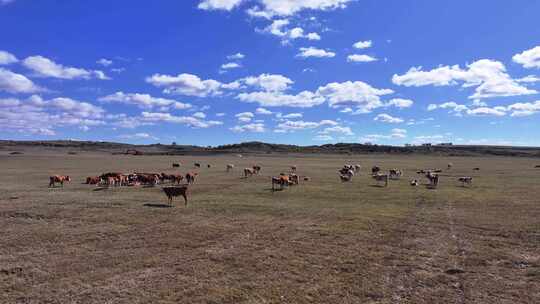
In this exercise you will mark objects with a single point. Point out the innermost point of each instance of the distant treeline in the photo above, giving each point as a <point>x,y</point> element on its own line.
<point>267,148</point>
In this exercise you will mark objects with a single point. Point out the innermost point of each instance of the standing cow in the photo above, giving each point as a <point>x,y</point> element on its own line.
<point>58,179</point>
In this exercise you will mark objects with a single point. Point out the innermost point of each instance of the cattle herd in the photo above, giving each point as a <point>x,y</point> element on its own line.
<point>178,184</point>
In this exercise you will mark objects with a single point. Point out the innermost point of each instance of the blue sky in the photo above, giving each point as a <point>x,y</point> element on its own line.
<point>211,72</point>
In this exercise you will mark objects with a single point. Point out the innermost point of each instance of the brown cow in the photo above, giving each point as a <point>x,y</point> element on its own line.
<point>58,179</point>
<point>190,177</point>
<point>93,180</point>
<point>177,179</point>
<point>248,172</point>
<point>256,169</point>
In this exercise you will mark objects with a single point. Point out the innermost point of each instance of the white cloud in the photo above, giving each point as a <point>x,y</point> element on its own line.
<point>524,109</point>
<point>44,67</point>
<point>230,65</point>
<point>298,125</point>
<point>138,136</point>
<point>144,101</point>
<point>237,56</point>
<point>363,44</point>
<point>489,77</point>
<point>315,52</point>
<point>226,5</point>
<point>279,28</point>
<point>358,93</point>
<point>388,118</point>
<point>118,70</point>
<point>190,85</point>
<point>16,83</point>
<point>244,117</point>
<point>221,114</point>
<point>529,58</point>
<point>7,58</point>
<point>394,134</point>
<point>37,116</point>
<point>200,115</point>
<point>484,111</point>
<point>460,110</point>
<point>269,82</point>
<point>263,111</point>
<point>293,116</point>
<point>255,127</point>
<point>303,99</point>
<point>400,103</point>
<point>360,58</point>
<point>185,120</point>
<point>448,105</point>
<point>104,62</point>
<point>291,7</point>
<point>338,129</point>
<point>398,133</point>
<point>529,79</point>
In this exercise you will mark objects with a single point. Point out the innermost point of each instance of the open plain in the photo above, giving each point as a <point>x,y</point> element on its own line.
<point>322,241</point>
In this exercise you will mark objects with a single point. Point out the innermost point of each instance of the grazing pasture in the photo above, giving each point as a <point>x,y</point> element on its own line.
<point>322,241</point>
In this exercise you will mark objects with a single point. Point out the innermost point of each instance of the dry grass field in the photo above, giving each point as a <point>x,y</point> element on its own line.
<point>237,242</point>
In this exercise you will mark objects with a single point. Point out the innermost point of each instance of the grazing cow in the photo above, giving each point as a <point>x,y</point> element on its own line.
<point>230,167</point>
<point>277,181</point>
<point>197,165</point>
<point>209,166</point>
<point>60,179</point>
<point>283,181</point>
<point>345,178</point>
<point>450,165</point>
<point>248,172</point>
<point>177,178</point>
<point>381,178</point>
<point>295,180</point>
<point>293,169</point>
<point>176,191</point>
<point>176,165</point>
<point>112,181</point>
<point>414,183</point>
<point>93,180</point>
<point>256,169</point>
<point>465,180</point>
<point>147,178</point>
<point>476,169</point>
<point>346,171</point>
<point>307,178</point>
<point>375,170</point>
<point>433,179</point>
<point>190,177</point>
<point>167,177</point>
<point>395,174</point>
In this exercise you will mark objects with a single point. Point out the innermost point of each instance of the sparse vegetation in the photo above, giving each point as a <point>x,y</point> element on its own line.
<point>322,241</point>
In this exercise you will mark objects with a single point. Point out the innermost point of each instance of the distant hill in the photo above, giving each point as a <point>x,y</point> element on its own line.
<point>268,148</point>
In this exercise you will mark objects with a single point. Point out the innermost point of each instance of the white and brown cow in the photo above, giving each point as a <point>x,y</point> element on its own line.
<point>465,180</point>
<point>381,178</point>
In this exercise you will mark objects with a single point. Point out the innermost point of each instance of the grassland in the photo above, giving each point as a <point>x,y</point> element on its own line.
<point>237,242</point>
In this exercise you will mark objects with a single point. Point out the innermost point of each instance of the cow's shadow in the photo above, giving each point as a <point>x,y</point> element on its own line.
<point>156,205</point>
